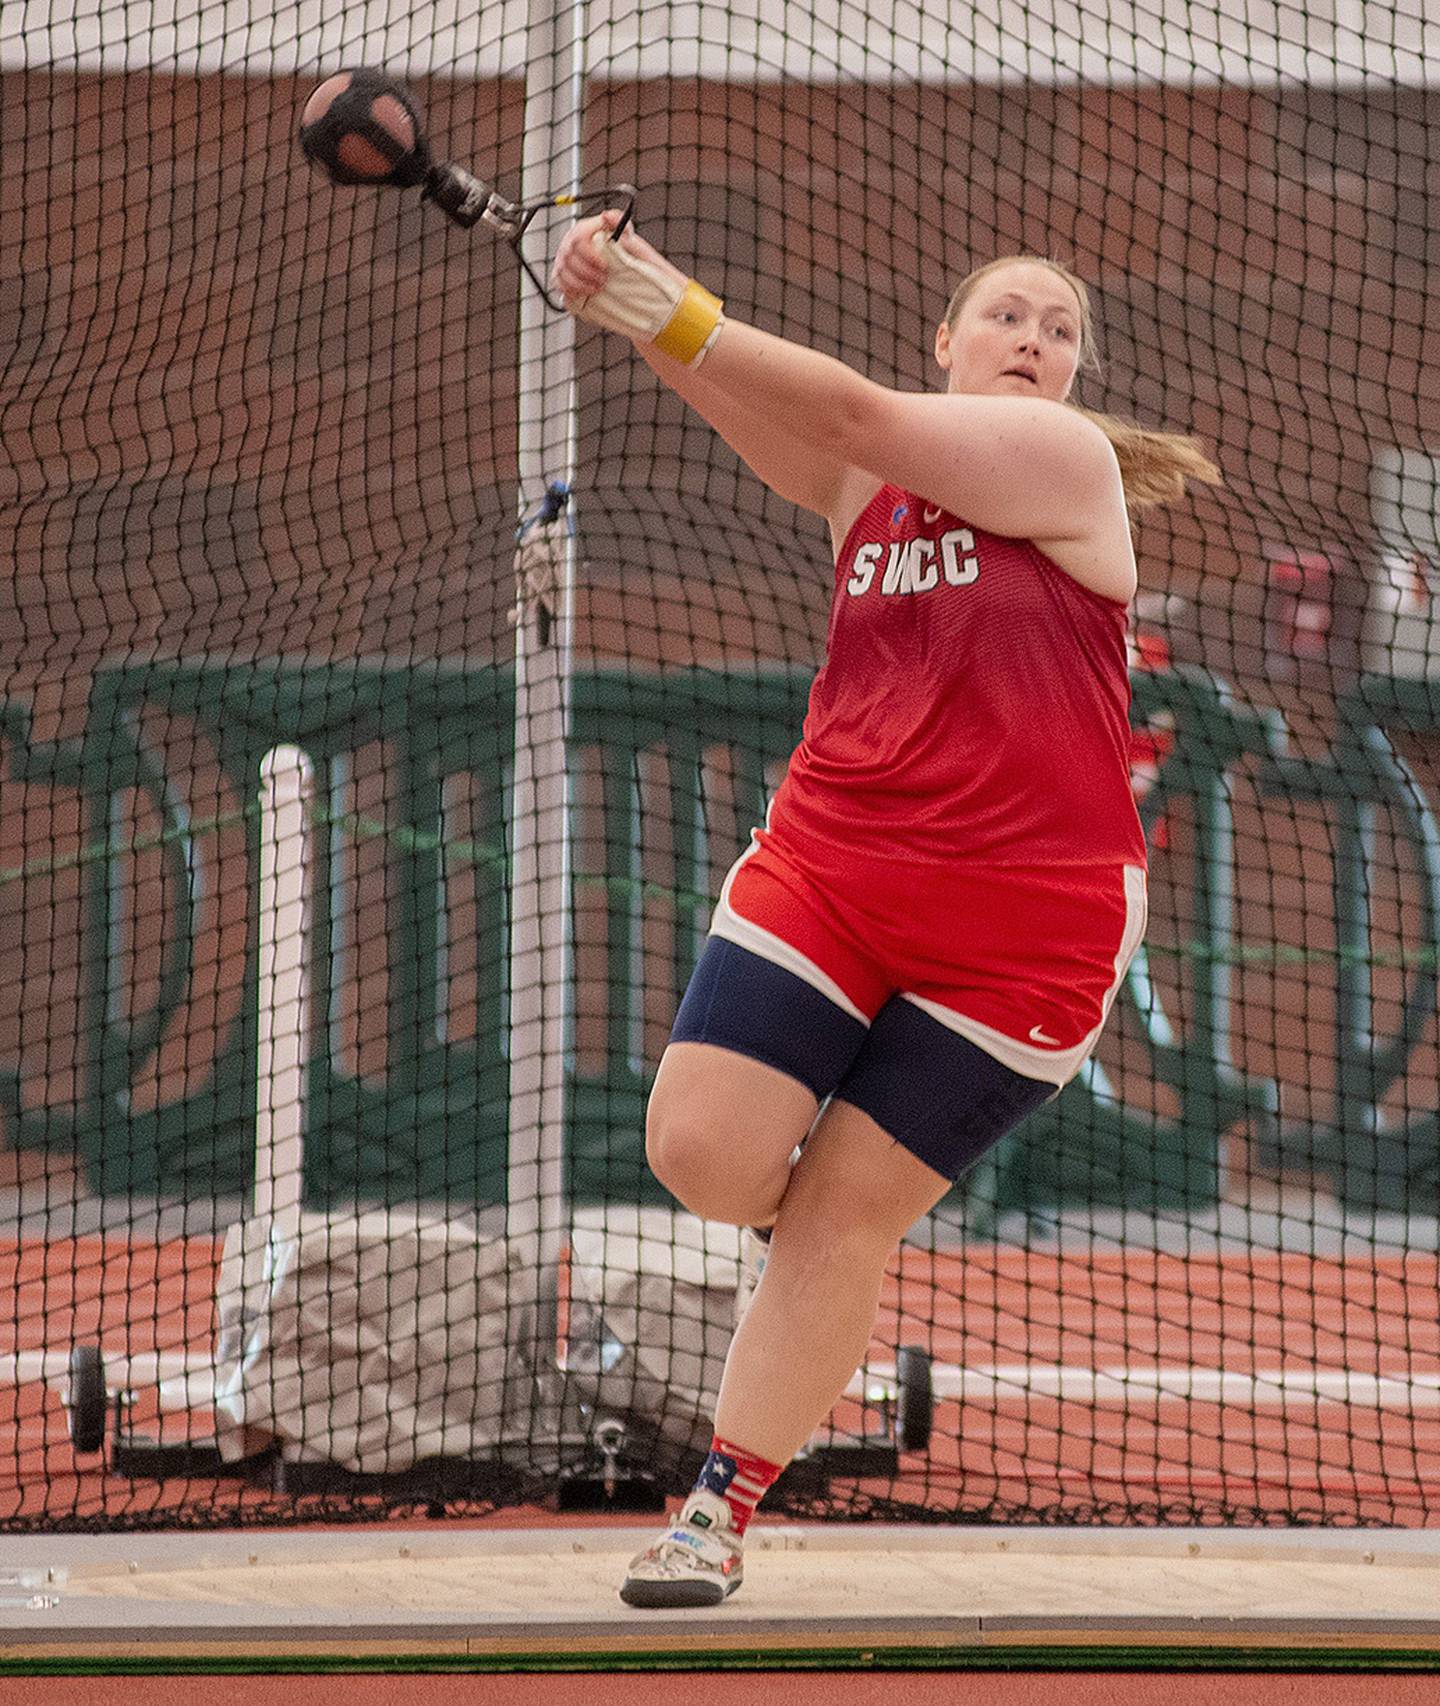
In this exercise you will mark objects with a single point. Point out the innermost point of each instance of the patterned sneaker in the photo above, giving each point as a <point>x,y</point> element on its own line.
<point>697,1561</point>
<point>754,1250</point>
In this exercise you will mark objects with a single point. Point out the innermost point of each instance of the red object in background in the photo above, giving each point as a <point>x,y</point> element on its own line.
<point>1298,604</point>
<point>1150,652</point>
<point>1151,745</point>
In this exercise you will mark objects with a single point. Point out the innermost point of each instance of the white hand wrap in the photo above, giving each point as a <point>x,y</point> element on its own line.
<point>682,321</point>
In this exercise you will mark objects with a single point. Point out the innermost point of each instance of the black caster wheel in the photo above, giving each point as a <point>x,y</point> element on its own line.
<point>88,1404</point>
<point>914,1398</point>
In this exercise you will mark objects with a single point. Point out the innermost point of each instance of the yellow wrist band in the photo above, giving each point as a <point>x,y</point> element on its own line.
<point>686,333</point>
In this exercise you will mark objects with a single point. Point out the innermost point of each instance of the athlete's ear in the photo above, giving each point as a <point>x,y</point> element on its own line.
<point>942,345</point>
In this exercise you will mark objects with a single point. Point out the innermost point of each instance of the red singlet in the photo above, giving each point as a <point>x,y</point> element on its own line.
<point>958,818</point>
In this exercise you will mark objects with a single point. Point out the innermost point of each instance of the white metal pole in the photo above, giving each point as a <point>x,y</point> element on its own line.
<point>282,1044</point>
<point>540,819</point>
<point>287,787</point>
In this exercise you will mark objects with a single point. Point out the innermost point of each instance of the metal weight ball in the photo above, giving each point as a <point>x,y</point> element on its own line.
<point>362,127</point>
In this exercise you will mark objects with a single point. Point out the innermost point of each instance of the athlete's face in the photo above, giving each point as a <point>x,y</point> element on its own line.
<point>1017,335</point>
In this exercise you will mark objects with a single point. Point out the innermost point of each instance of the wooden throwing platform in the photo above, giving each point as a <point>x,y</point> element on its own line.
<point>832,1597</point>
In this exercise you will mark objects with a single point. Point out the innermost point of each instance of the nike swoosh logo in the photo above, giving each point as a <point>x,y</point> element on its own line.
<point>931,515</point>
<point>1038,1036</point>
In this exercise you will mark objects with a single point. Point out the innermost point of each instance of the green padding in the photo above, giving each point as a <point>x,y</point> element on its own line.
<point>435,1123</point>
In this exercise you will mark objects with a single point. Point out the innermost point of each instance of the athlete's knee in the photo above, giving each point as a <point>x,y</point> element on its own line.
<point>720,1130</point>
<point>690,1156</point>
<point>704,1163</point>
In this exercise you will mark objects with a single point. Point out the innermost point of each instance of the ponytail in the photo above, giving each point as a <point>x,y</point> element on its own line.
<point>1154,466</point>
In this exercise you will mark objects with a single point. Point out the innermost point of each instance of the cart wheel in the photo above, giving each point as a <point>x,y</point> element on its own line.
<point>88,1403</point>
<point>914,1398</point>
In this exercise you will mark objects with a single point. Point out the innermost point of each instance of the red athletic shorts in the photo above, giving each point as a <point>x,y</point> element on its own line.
<point>1022,963</point>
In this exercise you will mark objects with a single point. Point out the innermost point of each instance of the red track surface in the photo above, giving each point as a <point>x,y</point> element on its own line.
<point>1252,1315</point>
<point>1255,1315</point>
<point>852,1688</point>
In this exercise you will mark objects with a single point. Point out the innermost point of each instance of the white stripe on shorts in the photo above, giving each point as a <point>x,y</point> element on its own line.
<point>1054,1066</point>
<point>728,923</point>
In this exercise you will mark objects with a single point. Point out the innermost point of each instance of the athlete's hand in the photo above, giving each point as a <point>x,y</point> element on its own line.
<point>582,262</point>
<point>626,285</point>
<point>579,269</point>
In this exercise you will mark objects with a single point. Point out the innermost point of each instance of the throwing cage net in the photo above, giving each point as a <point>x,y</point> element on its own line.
<point>390,670</point>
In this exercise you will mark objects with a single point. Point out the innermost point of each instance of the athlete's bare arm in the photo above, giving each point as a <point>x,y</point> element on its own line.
<point>824,436</point>
<point>1027,468</point>
<point>802,473</point>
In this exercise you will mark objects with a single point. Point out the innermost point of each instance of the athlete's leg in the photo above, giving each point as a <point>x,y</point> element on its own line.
<point>720,1130</point>
<point>852,1196</point>
<point>755,1050</point>
<point>918,1106</point>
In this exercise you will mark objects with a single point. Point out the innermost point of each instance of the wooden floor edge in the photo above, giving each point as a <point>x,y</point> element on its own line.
<point>698,1647</point>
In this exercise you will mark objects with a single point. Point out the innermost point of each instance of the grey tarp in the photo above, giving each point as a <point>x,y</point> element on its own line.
<point>651,1315</point>
<point>370,1341</point>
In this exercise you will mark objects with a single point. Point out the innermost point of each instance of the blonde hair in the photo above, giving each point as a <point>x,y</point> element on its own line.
<point>1155,467</point>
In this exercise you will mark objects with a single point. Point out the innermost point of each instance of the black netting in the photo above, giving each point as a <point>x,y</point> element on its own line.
<point>266,446</point>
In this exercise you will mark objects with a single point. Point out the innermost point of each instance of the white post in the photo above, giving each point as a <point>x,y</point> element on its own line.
<point>282,1048</point>
<point>540,821</point>
<point>286,792</point>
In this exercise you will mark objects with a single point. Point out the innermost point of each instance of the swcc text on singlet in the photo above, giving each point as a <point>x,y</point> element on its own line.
<point>973,706</point>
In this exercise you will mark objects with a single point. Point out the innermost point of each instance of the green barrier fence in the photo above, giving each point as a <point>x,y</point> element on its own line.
<point>433,1122</point>
<point>670,769</point>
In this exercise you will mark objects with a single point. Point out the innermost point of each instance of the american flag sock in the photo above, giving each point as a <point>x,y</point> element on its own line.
<point>738,1477</point>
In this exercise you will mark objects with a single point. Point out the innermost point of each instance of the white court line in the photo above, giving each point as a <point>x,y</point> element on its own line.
<point>1127,1384</point>
<point>187,1381</point>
